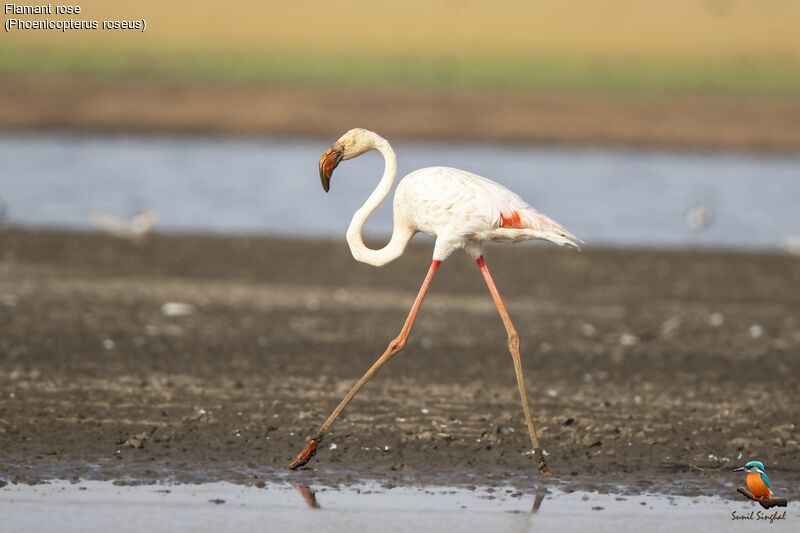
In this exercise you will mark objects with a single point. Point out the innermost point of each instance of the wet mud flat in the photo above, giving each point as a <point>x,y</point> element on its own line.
<point>199,358</point>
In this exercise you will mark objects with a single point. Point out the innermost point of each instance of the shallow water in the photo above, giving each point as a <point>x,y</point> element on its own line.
<point>606,196</point>
<point>101,506</point>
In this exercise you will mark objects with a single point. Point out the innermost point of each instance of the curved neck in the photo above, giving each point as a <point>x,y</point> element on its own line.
<point>400,234</point>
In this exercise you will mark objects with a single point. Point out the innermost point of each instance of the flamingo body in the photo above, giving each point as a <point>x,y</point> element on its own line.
<point>462,210</point>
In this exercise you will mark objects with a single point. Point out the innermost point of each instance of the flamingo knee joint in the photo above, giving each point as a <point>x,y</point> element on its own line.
<point>513,341</point>
<point>397,344</point>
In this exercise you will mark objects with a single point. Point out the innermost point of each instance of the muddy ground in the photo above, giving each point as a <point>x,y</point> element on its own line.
<point>746,122</point>
<point>657,370</point>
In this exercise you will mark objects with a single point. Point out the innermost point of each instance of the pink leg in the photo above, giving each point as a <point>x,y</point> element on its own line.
<point>395,345</point>
<point>308,495</point>
<point>513,346</point>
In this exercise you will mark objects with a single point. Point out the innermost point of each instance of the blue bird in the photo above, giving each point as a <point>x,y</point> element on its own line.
<point>756,479</point>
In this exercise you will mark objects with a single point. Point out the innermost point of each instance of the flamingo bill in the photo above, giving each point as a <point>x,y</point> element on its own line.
<point>327,163</point>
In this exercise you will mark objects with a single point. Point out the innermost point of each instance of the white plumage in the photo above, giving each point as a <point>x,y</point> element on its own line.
<point>133,228</point>
<point>461,206</point>
<point>457,207</point>
<point>461,210</point>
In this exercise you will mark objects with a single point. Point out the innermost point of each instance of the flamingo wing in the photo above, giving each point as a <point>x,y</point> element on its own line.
<point>479,207</point>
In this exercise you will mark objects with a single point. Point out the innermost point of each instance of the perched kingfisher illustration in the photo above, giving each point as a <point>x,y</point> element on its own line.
<point>756,480</point>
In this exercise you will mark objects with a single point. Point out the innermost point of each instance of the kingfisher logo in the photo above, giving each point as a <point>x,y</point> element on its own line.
<point>758,486</point>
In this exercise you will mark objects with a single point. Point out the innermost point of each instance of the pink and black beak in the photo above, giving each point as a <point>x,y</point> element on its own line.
<point>327,163</point>
<point>740,469</point>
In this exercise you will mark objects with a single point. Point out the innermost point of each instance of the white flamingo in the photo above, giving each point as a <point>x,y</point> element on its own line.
<point>134,228</point>
<point>461,210</point>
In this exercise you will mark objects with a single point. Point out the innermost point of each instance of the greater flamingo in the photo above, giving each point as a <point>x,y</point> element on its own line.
<point>461,210</point>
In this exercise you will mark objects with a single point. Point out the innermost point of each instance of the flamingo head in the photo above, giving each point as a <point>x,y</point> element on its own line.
<point>352,144</point>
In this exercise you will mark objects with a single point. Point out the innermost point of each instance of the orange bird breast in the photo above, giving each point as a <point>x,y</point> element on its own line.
<point>511,221</point>
<point>757,486</point>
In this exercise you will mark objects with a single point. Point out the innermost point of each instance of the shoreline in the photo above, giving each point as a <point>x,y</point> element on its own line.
<point>699,122</point>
